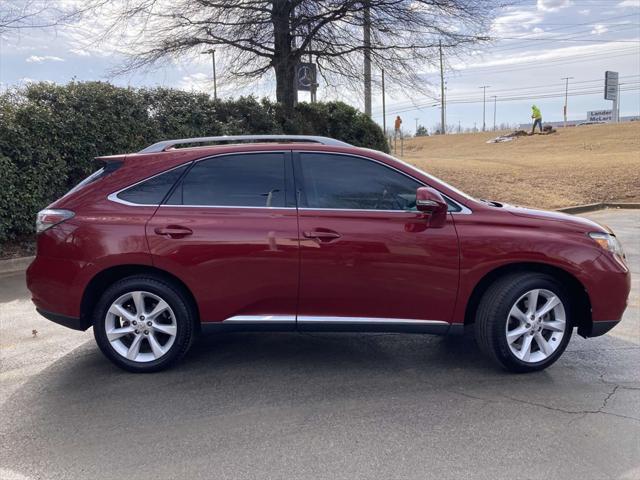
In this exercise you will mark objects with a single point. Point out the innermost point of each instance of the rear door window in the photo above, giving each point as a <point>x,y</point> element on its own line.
<point>240,180</point>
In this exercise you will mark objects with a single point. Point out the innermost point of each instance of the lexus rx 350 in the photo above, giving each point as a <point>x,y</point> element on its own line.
<point>312,234</point>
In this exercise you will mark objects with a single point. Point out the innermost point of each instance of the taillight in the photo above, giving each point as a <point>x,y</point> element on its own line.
<point>48,218</point>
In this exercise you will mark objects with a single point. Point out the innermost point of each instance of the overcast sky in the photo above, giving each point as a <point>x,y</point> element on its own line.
<point>541,41</point>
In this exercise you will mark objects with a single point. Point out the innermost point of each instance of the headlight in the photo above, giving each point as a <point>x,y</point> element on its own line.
<point>608,242</point>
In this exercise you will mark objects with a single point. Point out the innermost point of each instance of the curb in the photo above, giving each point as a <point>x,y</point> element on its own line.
<point>592,207</point>
<point>13,265</point>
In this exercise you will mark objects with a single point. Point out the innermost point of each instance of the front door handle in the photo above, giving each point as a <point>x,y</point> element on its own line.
<point>173,231</point>
<point>321,235</point>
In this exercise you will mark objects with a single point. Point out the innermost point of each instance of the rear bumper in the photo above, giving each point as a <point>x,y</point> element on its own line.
<point>65,321</point>
<point>54,286</point>
<point>600,328</point>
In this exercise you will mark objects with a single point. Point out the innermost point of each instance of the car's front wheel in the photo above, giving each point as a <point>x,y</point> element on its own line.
<point>524,321</point>
<point>143,324</point>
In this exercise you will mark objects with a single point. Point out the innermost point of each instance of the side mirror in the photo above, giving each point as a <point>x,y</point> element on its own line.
<point>430,202</point>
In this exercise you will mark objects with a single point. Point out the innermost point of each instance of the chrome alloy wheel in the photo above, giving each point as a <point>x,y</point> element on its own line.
<point>140,326</point>
<point>536,325</point>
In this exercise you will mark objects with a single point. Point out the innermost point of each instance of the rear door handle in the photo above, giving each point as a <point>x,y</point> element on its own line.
<point>173,231</point>
<point>322,235</point>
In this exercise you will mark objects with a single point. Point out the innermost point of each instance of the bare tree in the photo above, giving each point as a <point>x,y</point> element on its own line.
<point>25,14</point>
<point>259,37</point>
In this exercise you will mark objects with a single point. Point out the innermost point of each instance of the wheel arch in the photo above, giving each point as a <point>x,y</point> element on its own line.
<point>108,276</point>
<point>581,303</point>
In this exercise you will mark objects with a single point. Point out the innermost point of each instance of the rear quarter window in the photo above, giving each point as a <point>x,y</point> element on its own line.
<point>105,171</point>
<point>153,190</point>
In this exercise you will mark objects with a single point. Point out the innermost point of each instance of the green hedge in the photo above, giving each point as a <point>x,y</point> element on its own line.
<point>50,134</point>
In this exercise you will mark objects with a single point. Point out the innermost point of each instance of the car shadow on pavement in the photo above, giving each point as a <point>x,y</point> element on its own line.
<point>235,383</point>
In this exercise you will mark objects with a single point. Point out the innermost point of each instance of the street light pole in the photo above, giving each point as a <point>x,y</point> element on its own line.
<point>566,97</point>
<point>367,60</point>
<point>213,62</point>
<point>484,102</point>
<point>443,120</point>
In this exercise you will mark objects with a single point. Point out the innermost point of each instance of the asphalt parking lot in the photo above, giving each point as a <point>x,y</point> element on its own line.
<point>338,406</point>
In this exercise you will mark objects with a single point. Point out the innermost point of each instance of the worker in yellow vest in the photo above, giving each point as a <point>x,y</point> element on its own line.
<point>537,118</point>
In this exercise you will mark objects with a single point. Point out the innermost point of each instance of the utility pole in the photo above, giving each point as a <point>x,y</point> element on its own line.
<point>495,105</point>
<point>566,97</point>
<point>442,99</point>
<point>616,114</point>
<point>314,86</point>
<point>213,61</point>
<point>312,91</point>
<point>484,102</point>
<point>384,109</point>
<point>367,59</point>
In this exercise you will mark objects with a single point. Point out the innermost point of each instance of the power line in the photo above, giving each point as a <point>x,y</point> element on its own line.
<point>584,40</point>
<point>630,88</point>
<point>591,22</point>
<point>524,96</point>
<point>559,61</point>
<point>528,36</point>
<point>525,90</point>
<point>574,36</point>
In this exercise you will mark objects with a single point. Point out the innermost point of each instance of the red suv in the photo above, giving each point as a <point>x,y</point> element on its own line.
<point>291,233</point>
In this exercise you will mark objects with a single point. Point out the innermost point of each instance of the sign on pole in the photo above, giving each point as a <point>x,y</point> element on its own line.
<point>611,89</point>
<point>611,85</point>
<point>305,76</point>
<point>600,116</point>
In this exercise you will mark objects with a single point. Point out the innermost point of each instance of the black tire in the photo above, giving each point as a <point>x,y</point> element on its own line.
<point>185,320</point>
<point>493,313</point>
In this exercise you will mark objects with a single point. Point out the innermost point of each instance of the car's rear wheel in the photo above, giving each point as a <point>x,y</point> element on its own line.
<point>143,324</point>
<point>524,321</point>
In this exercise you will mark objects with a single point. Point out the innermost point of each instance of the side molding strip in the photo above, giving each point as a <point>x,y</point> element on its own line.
<point>288,323</point>
<point>261,319</point>
<point>369,320</point>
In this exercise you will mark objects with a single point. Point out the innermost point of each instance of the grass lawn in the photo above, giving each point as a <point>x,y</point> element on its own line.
<point>587,164</point>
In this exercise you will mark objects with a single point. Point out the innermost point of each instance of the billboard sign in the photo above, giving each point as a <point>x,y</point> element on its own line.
<point>600,116</point>
<point>305,76</point>
<point>611,85</point>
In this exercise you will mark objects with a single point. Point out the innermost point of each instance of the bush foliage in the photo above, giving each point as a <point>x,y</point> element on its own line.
<point>50,134</point>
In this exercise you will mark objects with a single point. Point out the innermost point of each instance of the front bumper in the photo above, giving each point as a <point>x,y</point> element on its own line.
<point>608,284</point>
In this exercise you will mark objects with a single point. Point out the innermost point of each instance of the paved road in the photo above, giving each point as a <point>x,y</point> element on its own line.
<point>338,406</point>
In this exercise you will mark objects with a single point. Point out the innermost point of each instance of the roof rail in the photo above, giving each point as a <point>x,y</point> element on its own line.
<point>167,144</point>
